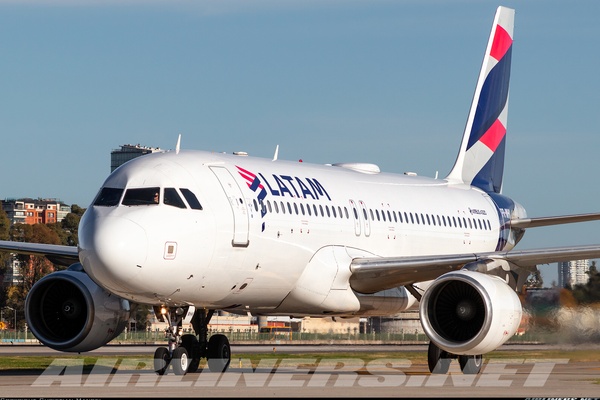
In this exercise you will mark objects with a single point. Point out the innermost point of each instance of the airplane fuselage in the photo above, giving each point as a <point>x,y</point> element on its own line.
<point>261,222</point>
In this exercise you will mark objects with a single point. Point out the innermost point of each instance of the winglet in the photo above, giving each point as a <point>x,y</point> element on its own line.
<point>480,160</point>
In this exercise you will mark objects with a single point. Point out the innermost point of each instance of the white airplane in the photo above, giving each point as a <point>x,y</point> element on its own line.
<point>213,231</point>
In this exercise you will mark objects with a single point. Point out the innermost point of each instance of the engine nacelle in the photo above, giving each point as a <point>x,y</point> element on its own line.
<point>67,311</point>
<point>470,313</point>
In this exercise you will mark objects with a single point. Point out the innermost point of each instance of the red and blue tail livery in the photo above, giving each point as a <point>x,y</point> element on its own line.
<point>480,161</point>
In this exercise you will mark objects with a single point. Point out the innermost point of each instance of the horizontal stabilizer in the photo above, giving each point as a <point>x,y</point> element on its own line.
<point>549,221</point>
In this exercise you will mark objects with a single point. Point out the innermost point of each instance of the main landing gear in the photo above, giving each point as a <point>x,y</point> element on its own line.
<point>439,361</point>
<point>184,352</point>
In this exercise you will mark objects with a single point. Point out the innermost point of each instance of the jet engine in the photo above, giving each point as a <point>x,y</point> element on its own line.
<point>67,311</point>
<point>469,313</point>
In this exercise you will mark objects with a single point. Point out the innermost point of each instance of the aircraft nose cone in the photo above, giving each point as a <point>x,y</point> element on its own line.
<point>114,251</point>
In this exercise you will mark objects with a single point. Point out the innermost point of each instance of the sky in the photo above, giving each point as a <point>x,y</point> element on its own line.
<point>386,82</point>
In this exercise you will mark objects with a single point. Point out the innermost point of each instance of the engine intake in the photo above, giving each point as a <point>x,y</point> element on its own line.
<point>67,311</point>
<point>470,313</point>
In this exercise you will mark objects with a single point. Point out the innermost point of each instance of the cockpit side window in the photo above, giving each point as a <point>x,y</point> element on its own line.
<point>172,198</point>
<point>108,197</point>
<point>191,199</point>
<point>141,196</point>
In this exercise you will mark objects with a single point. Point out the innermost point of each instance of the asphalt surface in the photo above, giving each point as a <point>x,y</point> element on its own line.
<point>310,376</point>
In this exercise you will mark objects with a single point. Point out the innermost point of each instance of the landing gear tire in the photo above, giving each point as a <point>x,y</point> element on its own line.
<point>161,360</point>
<point>180,361</point>
<point>219,353</point>
<point>437,359</point>
<point>470,364</point>
<point>192,346</point>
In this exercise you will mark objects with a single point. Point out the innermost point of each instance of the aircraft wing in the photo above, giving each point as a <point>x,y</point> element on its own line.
<point>58,254</point>
<point>372,274</point>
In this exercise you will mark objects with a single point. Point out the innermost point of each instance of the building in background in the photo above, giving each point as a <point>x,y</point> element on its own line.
<point>28,211</point>
<point>35,211</point>
<point>571,273</point>
<point>128,152</point>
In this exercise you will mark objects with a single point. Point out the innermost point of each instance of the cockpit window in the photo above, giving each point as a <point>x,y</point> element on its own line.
<point>172,198</point>
<point>141,197</point>
<point>191,199</point>
<point>108,197</point>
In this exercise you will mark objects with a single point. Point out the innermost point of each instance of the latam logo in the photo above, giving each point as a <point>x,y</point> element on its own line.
<point>283,185</point>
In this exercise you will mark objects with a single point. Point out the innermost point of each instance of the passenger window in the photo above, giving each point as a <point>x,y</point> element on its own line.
<point>191,199</point>
<point>108,197</point>
<point>141,197</point>
<point>171,198</point>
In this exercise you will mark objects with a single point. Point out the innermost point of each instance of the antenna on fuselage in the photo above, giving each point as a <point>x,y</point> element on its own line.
<point>178,145</point>
<point>276,153</point>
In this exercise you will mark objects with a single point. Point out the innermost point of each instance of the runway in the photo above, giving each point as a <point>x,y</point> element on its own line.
<point>126,371</point>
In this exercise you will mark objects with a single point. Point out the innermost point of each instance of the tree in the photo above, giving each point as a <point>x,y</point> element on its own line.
<point>33,268</point>
<point>68,229</point>
<point>590,292</point>
<point>141,314</point>
<point>535,280</point>
<point>4,225</point>
<point>4,257</point>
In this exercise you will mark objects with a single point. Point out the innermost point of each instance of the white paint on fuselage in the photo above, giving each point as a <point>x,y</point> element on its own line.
<point>207,270</point>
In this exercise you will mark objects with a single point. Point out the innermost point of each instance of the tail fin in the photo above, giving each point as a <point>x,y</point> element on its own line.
<point>480,161</point>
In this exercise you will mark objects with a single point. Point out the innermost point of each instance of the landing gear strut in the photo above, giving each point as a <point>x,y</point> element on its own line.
<point>185,352</point>
<point>439,361</point>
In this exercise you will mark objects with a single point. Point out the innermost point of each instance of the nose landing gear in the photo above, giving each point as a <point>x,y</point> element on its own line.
<point>185,352</point>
